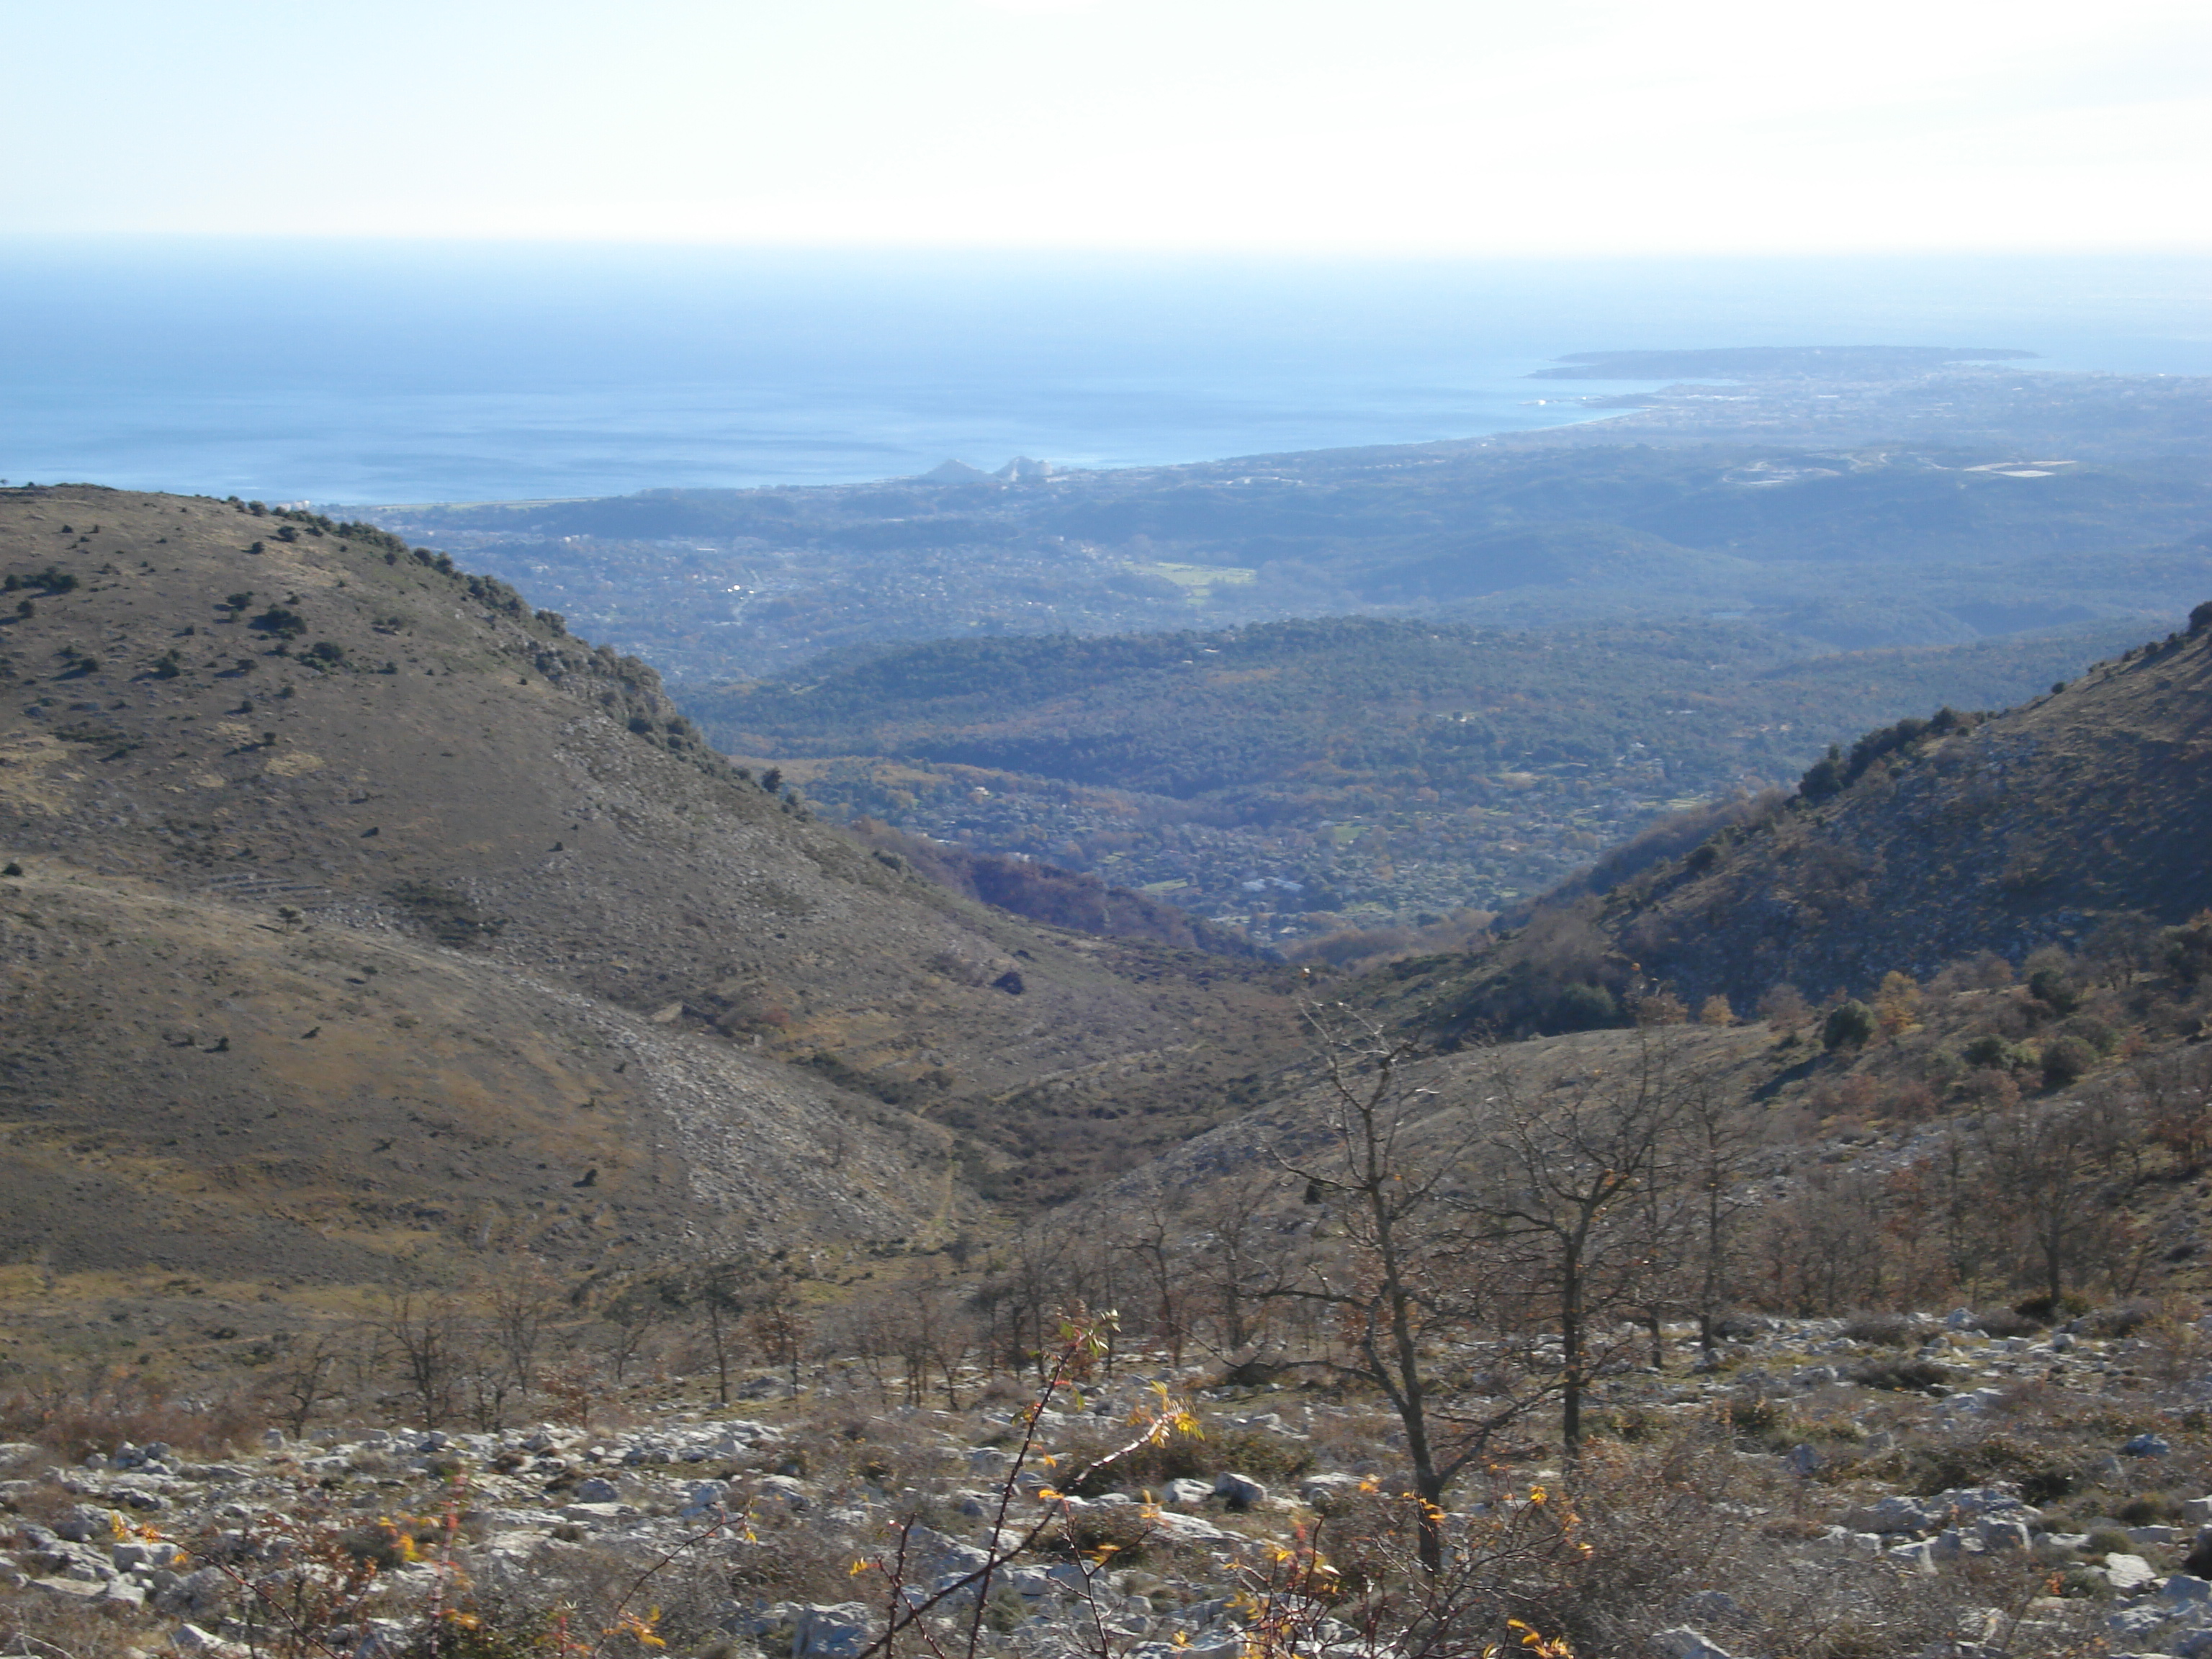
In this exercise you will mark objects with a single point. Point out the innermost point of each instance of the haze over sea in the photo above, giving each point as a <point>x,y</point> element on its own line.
<point>382,373</point>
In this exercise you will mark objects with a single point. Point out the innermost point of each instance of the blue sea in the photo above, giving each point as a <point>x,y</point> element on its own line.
<point>359,374</point>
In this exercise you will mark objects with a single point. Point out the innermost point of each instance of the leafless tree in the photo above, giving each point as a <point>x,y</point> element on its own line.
<point>1240,1259</point>
<point>1150,1234</point>
<point>525,1308</point>
<point>1397,1283</point>
<point>2052,1167</point>
<point>307,1378</point>
<point>777,1324</point>
<point>714,1294</point>
<point>1719,1131</point>
<point>1816,1243</point>
<point>632,1310</point>
<point>1555,1186</point>
<point>425,1329</point>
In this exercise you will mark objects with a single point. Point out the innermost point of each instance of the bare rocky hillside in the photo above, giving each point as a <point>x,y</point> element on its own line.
<point>353,907</point>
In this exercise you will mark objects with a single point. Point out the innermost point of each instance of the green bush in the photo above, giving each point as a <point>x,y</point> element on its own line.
<point>49,581</point>
<point>1762,1422</point>
<point>2094,1032</point>
<point>2010,1322</point>
<point>1582,1008</point>
<point>2067,1060</point>
<point>283,622</point>
<point>1992,1050</point>
<point>1123,1529</point>
<point>2149,1509</point>
<point>2047,1485</point>
<point>1266,1458</point>
<point>2055,989</point>
<point>1848,1026</point>
<point>2188,950</point>
<point>1994,1457</point>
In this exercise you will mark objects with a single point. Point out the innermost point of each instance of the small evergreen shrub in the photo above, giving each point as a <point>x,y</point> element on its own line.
<point>1991,1050</point>
<point>1849,1025</point>
<point>2053,989</point>
<point>2067,1060</point>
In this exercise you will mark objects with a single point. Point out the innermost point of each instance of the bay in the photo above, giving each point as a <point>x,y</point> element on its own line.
<point>377,373</point>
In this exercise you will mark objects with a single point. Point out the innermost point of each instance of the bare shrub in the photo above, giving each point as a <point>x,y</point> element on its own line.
<point>1887,1330</point>
<point>1784,1006</point>
<point>1266,1457</point>
<point>1916,1376</point>
<point>2007,1321</point>
<point>36,1625</point>
<point>99,1410</point>
<point>2118,1319</point>
<point>1985,970</point>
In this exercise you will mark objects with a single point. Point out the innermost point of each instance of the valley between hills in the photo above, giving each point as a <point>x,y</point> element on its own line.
<point>492,1149</point>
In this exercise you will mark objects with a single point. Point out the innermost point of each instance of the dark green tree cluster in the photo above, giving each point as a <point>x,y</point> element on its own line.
<point>47,581</point>
<point>1836,771</point>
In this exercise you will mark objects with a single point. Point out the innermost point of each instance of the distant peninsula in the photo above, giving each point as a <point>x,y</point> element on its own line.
<point>1770,362</point>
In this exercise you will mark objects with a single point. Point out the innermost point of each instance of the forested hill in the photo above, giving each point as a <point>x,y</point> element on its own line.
<point>2078,818</point>
<point>1344,702</point>
<point>1350,772</point>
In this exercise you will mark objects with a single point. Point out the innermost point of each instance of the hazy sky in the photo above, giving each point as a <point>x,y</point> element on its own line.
<point>1462,126</point>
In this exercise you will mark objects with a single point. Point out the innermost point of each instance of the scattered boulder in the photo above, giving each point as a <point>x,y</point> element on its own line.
<point>706,1495</point>
<point>2126,1572</point>
<point>1186,1528</point>
<point>132,1555</point>
<point>1328,1492</point>
<point>1684,1643</point>
<point>839,1631</point>
<point>1239,1491</point>
<point>1709,1607</point>
<point>87,1523</point>
<point>1918,1558</point>
<point>1892,1514</point>
<point>70,1589</point>
<point>2140,1622</point>
<point>788,1491</point>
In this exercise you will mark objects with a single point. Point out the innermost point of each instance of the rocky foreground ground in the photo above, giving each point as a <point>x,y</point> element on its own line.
<point>1888,1484</point>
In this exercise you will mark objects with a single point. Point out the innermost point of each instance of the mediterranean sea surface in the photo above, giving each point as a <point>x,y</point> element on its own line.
<point>356,374</point>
